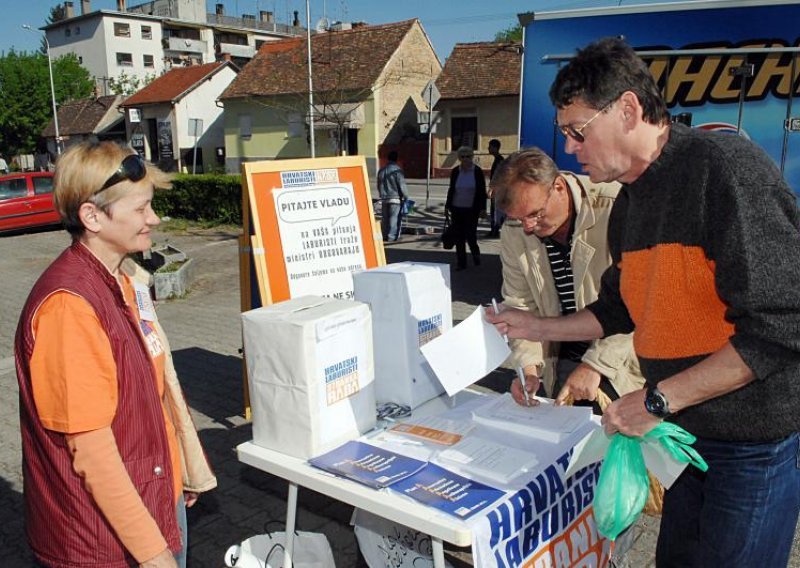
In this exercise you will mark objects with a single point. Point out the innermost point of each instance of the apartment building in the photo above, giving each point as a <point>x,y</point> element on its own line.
<point>145,40</point>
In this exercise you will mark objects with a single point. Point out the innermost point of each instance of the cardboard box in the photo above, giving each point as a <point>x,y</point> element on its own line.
<point>411,305</point>
<point>311,374</point>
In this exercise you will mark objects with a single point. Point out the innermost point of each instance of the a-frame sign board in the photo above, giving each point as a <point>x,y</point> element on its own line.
<point>308,224</point>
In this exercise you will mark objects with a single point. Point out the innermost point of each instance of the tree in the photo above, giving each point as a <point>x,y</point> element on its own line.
<point>126,84</point>
<point>511,33</point>
<point>25,100</point>
<point>57,14</point>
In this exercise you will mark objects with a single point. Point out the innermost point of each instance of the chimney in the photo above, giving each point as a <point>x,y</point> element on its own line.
<point>296,21</point>
<point>69,10</point>
<point>86,6</point>
<point>121,6</point>
<point>267,17</point>
<point>226,57</point>
<point>220,9</point>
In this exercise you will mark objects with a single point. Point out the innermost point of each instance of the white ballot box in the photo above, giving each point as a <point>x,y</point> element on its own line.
<point>311,374</point>
<point>411,305</point>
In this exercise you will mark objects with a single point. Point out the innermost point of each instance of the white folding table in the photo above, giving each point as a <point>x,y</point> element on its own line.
<point>438,525</point>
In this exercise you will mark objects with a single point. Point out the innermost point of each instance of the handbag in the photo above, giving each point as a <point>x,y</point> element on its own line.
<point>448,233</point>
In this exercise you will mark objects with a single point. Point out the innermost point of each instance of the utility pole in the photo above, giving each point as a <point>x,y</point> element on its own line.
<point>52,88</point>
<point>310,82</point>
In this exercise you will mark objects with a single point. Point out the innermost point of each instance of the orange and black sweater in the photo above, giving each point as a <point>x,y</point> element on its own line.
<point>706,250</point>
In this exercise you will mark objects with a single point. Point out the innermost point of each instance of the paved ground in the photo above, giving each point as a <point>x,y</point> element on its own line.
<point>205,334</point>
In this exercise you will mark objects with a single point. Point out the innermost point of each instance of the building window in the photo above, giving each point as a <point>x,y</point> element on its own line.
<point>297,126</point>
<point>147,32</point>
<point>148,61</point>
<point>122,30</point>
<point>77,30</point>
<point>125,59</point>
<point>464,131</point>
<point>68,32</point>
<point>245,127</point>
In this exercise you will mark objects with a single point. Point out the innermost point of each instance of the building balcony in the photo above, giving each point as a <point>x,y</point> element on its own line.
<point>235,50</point>
<point>185,45</point>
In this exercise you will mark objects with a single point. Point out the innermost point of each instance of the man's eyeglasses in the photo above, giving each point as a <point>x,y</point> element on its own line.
<point>576,132</point>
<point>537,216</point>
<point>132,168</point>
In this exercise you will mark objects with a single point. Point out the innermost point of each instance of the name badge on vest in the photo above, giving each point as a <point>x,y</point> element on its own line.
<point>144,302</point>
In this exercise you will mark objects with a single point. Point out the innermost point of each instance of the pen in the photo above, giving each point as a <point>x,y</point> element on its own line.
<point>497,311</point>
<point>521,375</point>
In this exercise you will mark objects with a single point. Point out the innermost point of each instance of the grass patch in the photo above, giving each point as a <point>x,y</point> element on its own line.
<point>172,266</point>
<point>184,226</point>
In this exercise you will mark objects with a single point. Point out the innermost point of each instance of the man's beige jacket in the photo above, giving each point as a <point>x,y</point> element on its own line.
<point>528,284</point>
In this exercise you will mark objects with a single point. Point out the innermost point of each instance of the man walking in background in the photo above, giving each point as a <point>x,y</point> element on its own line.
<point>496,216</point>
<point>392,191</point>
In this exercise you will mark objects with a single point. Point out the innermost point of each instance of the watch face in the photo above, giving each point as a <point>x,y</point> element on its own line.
<point>656,404</point>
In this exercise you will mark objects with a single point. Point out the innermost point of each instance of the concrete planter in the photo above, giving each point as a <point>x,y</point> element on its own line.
<point>164,256</point>
<point>173,282</point>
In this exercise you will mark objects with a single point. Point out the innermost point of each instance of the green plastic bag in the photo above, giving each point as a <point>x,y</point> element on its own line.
<point>623,485</point>
<point>622,488</point>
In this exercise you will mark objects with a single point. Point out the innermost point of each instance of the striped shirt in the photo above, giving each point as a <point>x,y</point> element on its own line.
<point>558,256</point>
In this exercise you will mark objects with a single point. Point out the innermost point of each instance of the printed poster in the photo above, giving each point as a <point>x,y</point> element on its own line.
<point>549,523</point>
<point>319,231</point>
<point>447,491</point>
<point>368,465</point>
<point>345,371</point>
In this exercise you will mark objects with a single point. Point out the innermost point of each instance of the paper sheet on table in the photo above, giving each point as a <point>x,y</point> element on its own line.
<point>487,458</point>
<point>592,448</point>
<point>466,353</point>
<point>546,421</point>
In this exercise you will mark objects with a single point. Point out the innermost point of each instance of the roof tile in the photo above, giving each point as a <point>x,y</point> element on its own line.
<point>82,116</point>
<point>485,69</point>
<point>341,60</point>
<point>172,84</point>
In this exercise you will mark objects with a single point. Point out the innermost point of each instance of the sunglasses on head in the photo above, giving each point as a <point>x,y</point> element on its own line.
<point>132,168</point>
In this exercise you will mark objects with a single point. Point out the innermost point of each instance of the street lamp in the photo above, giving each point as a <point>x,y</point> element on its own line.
<point>52,88</point>
<point>310,80</point>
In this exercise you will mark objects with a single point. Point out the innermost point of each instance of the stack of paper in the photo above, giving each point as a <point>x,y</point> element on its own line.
<point>546,421</point>
<point>488,459</point>
<point>368,465</point>
<point>449,492</point>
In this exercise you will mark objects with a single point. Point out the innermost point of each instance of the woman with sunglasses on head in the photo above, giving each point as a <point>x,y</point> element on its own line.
<point>466,202</point>
<point>111,457</point>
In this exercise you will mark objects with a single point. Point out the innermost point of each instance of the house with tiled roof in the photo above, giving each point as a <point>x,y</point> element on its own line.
<point>175,120</point>
<point>479,88</point>
<point>367,84</point>
<point>81,119</point>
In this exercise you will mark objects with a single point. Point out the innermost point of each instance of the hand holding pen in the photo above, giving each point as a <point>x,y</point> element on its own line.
<point>520,372</point>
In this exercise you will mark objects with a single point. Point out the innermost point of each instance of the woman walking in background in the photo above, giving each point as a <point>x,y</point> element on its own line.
<point>466,201</point>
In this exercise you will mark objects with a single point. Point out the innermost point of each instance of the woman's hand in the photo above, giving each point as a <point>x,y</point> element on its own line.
<point>164,560</point>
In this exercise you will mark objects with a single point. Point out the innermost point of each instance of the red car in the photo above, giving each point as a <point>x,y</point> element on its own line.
<point>26,200</point>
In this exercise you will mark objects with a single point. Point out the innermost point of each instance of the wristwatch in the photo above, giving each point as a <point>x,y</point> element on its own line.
<point>656,403</point>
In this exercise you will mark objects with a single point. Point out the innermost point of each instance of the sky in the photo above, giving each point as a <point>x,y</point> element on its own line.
<point>447,22</point>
